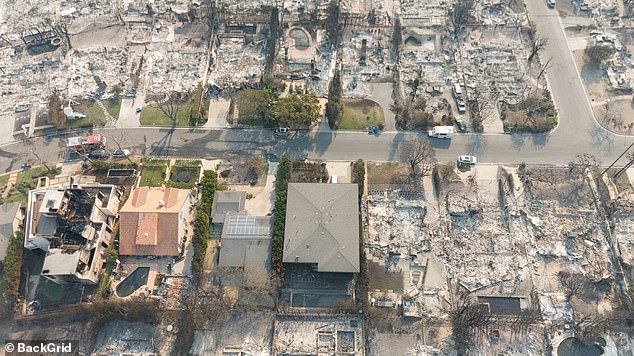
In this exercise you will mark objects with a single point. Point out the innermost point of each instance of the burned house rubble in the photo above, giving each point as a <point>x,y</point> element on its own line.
<point>73,224</point>
<point>527,244</point>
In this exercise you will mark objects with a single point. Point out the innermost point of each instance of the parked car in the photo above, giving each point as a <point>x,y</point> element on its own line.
<point>120,154</point>
<point>99,154</point>
<point>281,132</point>
<point>462,107</point>
<point>462,126</point>
<point>550,4</point>
<point>465,161</point>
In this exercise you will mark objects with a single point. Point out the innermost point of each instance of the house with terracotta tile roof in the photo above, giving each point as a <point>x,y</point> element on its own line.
<point>153,222</point>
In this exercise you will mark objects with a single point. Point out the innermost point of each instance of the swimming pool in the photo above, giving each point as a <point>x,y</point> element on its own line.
<point>134,281</point>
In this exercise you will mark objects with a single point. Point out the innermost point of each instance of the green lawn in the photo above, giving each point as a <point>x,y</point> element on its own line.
<point>187,163</point>
<point>253,106</point>
<point>360,114</point>
<point>113,105</point>
<point>94,114</point>
<point>153,116</point>
<point>26,181</point>
<point>3,182</point>
<point>152,176</point>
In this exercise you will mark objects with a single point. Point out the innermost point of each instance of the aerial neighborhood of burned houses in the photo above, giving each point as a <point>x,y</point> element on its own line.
<point>324,177</point>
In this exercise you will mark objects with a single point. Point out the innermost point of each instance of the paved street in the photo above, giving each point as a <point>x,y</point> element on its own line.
<point>577,132</point>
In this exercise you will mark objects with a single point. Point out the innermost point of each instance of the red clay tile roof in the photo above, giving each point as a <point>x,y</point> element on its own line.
<point>146,227</point>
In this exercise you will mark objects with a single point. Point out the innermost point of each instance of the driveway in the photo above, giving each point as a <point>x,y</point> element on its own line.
<point>218,111</point>
<point>382,94</point>
<point>128,117</point>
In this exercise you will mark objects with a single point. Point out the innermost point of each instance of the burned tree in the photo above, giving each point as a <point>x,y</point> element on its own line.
<point>575,284</point>
<point>581,164</point>
<point>461,14</point>
<point>537,45</point>
<point>468,319</point>
<point>36,154</point>
<point>419,156</point>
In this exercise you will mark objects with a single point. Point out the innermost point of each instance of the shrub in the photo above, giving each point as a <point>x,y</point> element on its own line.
<point>11,268</point>
<point>358,175</point>
<point>279,211</point>
<point>200,241</point>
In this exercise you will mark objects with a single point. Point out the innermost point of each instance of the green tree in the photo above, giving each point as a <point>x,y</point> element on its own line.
<point>56,111</point>
<point>334,107</point>
<point>297,111</point>
<point>197,110</point>
<point>358,175</point>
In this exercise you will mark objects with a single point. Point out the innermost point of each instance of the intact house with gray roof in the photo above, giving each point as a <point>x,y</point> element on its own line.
<point>11,217</point>
<point>245,245</point>
<point>322,226</point>
<point>226,202</point>
<point>246,241</point>
<point>321,244</point>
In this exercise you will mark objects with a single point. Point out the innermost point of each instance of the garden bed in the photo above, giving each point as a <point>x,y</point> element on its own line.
<point>184,177</point>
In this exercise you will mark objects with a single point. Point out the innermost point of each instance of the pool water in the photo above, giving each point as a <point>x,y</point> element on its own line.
<point>134,281</point>
<point>574,347</point>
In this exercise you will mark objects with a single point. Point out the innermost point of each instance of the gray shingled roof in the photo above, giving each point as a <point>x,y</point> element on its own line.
<point>225,202</point>
<point>322,226</point>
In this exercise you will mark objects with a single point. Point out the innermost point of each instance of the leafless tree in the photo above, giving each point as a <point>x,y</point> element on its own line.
<point>581,164</point>
<point>169,103</point>
<point>482,106</point>
<point>575,284</point>
<point>468,319</point>
<point>120,140</point>
<point>36,154</point>
<point>419,156</point>
<point>537,44</point>
<point>609,113</point>
<point>206,303</point>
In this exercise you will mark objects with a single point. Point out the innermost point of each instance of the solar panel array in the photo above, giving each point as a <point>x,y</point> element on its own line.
<point>247,225</point>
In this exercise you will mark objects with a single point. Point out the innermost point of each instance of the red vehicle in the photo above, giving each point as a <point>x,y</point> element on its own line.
<point>89,143</point>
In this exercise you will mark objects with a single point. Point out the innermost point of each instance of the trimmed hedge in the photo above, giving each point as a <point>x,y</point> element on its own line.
<point>11,269</point>
<point>209,184</point>
<point>358,175</point>
<point>279,211</point>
